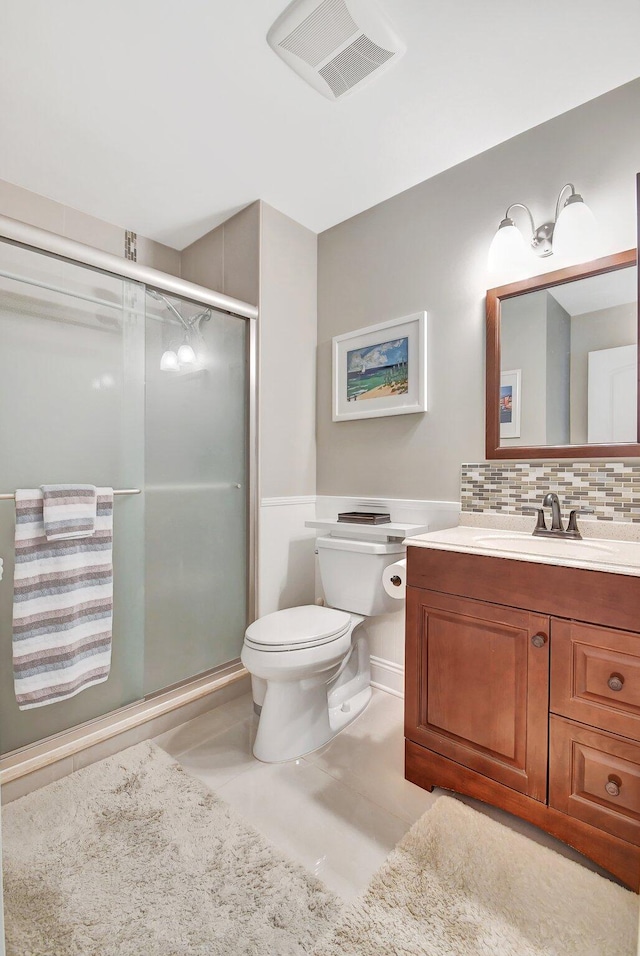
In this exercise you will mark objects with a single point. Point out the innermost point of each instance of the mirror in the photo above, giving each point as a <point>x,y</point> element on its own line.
<point>562,364</point>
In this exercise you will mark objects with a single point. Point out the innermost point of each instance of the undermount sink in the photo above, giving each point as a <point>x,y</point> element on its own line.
<point>618,557</point>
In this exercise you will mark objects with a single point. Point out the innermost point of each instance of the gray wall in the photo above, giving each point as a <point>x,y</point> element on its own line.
<point>557,385</point>
<point>288,310</point>
<point>535,337</point>
<point>1,906</point>
<point>227,259</point>
<point>523,345</point>
<point>427,249</point>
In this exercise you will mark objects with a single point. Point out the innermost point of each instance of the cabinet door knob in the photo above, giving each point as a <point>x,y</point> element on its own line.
<point>613,786</point>
<point>615,682</point>
<point>539,640</point>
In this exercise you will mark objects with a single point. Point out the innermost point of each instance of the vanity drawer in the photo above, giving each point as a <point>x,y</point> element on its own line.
<point>595,676</point>
<point>595,777</point>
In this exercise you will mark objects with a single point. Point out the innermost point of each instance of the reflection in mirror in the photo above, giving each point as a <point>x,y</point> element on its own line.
<point>562,365</point>
<point>568,366</point>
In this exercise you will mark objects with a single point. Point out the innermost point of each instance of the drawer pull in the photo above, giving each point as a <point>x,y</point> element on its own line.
<point>613,786</point>
<point>615,682</point>
<point>539,640</point>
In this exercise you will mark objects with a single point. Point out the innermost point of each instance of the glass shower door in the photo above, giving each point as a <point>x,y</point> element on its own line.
<point>196,468</point>
<point>72,411</point>
<point>84,399</point>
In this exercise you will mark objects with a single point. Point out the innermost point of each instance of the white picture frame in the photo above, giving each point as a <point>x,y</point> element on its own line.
<point>381,369</point>
<point>510,403</point>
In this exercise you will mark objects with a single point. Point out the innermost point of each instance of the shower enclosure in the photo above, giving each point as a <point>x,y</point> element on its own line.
<point>83,399</point>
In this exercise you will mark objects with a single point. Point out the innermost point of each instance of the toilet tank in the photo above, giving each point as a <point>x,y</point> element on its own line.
<point>351,572</point>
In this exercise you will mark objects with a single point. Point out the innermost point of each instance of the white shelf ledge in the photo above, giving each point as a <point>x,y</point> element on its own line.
<point>378,532</point>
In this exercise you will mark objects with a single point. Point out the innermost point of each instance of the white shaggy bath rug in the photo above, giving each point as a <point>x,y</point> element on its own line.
<point>133,857</point>
<point>460,884</point>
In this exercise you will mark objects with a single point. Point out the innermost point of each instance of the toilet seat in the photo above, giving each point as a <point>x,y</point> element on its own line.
<point>296,628</point>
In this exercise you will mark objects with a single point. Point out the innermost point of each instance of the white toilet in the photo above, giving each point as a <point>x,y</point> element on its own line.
<point>309,665</point>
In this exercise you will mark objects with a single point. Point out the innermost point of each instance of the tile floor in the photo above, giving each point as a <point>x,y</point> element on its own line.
<point>339,811</point>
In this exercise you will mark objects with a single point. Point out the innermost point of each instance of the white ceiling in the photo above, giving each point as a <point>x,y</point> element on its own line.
<point>166,116</point>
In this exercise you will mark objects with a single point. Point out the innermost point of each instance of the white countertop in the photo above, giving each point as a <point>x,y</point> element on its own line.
<point>594,554</point>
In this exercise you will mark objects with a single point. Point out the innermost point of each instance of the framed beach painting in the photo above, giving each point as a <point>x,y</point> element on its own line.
<point>510,403</point>
<point>381,370</point>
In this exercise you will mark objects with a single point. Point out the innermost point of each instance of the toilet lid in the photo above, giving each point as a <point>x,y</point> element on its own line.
<point>298,627</point>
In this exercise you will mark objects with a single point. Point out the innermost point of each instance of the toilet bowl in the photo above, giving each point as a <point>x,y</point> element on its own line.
<point>309,665</point>
<point>314,670</point>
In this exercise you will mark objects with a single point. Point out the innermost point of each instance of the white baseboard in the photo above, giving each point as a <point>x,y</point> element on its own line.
<point>387,676</point>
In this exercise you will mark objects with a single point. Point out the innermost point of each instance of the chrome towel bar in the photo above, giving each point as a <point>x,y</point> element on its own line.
<point>119,491</point>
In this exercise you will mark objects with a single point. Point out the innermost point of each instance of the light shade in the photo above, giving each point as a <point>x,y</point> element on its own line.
<point>186,355</point>
<point>509,257</point>
<point>169,361</point>
<point>575,237</point>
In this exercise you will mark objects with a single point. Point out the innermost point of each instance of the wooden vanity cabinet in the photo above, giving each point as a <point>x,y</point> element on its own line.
<point>523,690</point>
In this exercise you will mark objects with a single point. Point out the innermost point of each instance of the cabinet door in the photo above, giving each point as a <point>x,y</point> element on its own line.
<point>477,686</point>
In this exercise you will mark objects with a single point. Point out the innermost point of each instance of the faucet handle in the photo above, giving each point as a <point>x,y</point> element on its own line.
<point>540,523</point>
<point>572,526</point>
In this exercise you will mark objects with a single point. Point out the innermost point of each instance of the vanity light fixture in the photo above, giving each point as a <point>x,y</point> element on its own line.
<point>186,355</point>
<point>573,235</point>
<point>169,361</point>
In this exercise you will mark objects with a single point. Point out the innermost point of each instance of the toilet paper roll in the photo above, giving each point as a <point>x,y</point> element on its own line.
<point>394,579</point>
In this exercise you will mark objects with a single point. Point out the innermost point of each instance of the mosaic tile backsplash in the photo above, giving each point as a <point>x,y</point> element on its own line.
<point>611,489</point>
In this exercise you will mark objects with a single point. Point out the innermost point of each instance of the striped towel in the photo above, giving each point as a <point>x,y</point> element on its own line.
<point>62,605</point>
<point>69,511</point>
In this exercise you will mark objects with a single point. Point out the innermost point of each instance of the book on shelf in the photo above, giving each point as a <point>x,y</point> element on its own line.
<point>364,517</point>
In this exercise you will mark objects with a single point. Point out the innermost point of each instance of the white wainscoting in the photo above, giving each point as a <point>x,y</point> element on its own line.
<point>286,553</point>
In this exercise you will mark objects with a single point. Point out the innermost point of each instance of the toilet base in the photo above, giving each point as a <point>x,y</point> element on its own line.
<point>341,715</point>
<point>301,716</point>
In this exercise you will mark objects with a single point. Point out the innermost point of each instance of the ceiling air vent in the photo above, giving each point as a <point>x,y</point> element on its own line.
<point>336,46</point>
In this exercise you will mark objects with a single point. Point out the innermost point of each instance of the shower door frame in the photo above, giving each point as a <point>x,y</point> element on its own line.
<point>52,749</point>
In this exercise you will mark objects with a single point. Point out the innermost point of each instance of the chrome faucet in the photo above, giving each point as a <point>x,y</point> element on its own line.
<point>557,530</point>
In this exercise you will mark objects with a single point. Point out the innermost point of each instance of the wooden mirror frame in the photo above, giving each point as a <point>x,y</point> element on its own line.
<point>622,260</point>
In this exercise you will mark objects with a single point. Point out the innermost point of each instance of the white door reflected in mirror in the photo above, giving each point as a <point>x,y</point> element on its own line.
<point>612,395</point>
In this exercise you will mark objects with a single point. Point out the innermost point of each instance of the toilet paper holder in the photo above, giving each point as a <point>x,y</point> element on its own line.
<point>394,580</point>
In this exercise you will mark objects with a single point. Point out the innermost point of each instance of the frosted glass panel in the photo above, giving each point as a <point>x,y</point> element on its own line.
<point>83,400</point>
<point>196,544</point>
<point>72,410</point>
